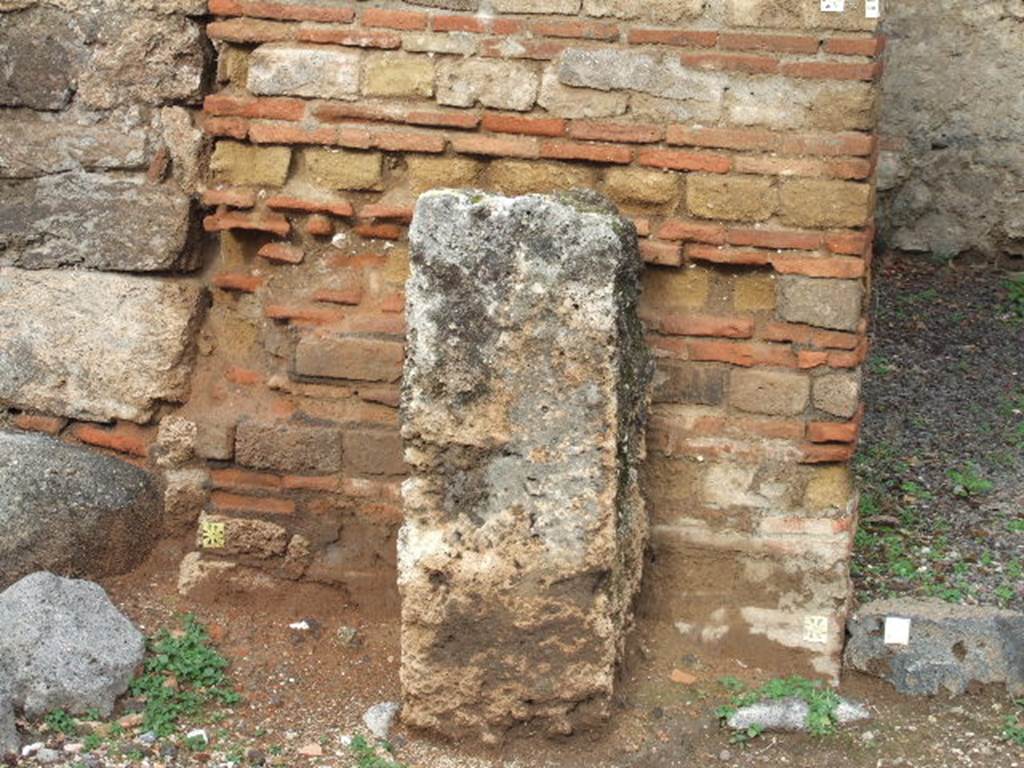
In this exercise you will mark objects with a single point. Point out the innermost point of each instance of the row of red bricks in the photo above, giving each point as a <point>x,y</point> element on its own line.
<point>290,109</point>
<point>715,442</point>
<point>573,29</point>
<point>534,148</point>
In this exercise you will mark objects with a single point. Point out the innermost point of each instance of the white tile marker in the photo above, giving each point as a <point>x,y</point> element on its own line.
<point>897,631</point>
<point>833,6</point>
<point>873,9</point>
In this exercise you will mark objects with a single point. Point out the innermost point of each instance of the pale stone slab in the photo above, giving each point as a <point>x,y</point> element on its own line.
<point>285,69</point>
<point>112,346</point>
<point>524,399</point>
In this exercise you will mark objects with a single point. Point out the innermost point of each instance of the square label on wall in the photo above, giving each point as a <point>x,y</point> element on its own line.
<point>816,629</point>
<point>833,6</point>
<point>873,8</point>
<point>897,631</point>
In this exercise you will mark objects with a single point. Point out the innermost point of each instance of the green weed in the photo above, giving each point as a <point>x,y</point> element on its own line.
<point>969,481</point>
<point>60,721</point>
<point>1015,295</point>
<point>366,756</point>
<point>822,702</point>
<point>183,675</point>
<point>1013,725</point>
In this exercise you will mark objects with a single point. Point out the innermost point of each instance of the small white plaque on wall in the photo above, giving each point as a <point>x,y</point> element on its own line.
<point>816,629</point>
<point>873,8</point>
<point>897,630</point>
<point>833,6</point>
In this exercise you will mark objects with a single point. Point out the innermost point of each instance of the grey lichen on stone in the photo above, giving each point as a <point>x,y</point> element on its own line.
<point>523,407</point>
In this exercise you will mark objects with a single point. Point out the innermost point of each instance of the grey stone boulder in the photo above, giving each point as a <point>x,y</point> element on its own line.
<point>790,715</point>
<point>65,646</point>
<point>951,647</point>
<point>71,510</point>
<point>9,741</point>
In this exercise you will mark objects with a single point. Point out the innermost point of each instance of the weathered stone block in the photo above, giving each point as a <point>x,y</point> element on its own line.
<point>349,357</point>
<point>433,172</point>
<point>753,292</point>
<point>837,394</point>
<point>683,382</point>
<point>833,304</point>
<point>733,198</point>
<point>639,186</point>
<point>613,69</point>
<point>43,50</point>
<point>245,165</point>
<point>773,392</point>
<point>523,408</point>
<point>288,446</point>
<point>498,84</point>
<point>95,221</point>
<point>564,101</point>
<point>676,289</point>
<point>338,169</point>
<point>32,146</point>
<point>285,69</point>
<point>113,346</point>
<point>950,647</point>
<point>521,177</point>
<point>654,10</point>
<point>249,537</point>
<point>823,203</point>
<point>536,6</point>
<point>392,74</point>
<point>373,451</point>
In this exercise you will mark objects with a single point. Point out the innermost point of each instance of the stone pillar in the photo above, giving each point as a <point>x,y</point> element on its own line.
<point>523,407</point>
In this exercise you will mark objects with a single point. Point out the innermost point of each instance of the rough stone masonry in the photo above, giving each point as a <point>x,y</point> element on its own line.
<point>523,405</point>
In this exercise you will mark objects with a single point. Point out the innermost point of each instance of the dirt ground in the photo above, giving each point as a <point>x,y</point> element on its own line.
<point>306,687</point>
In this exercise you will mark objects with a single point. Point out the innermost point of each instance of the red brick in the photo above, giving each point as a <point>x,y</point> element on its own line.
<point>728,255</point>
<point>855,46</point>
<point>123,437</point>
<point>282,252</point>
<point>237,281</point>
<point>698,231</point>
<point>731,62</point>
<point>341,112</point>
<point>319,226</point>
<point>250,31</point>
<point>310,483</point>
<point>534,126</point>
<point>391,19</point>
<point>393,302</point>
<point>739,41</point>
<point>745,354</point>
<point>286,11</point>
<point>356,38</point>
<point>791,332</point>
<point>597,153</point>
<point>235,198</point>
<point>849,243</point>
<point>245,377</point>
<point>683,37</point>
<point>506,26</point>
<point>399,141</point>
<point>835,340</point>
<point>830,70</point>
<point>810,358</point>
<point>380,231</point>
<point>498,146</point>
<point>828,144</point>
<point>275,133</point>
<point>707,325</point>
<point>350,296</point>
<point>723,138</point>
<point>383,211</point>
<point>833,432</point>
<point>773,429</point>
<point>629,133</point>
<point>261,505</point>
<point>287,203</point>
<point>265,108</point>
<point>678,160</point>
<point>774,238</point>
<point>463,120</point>
<point>643,226</point>
<point>826,454</point>
<point>855,169</point>
<point>267,222</point>
<point>455,23</point>
<point>583,30</point>
<point>771,165</point>
<point>811,266</point>
<point>232,127</point>
<point>539,50</point>
<point>37,422</point>
<point>242,479</point>
<point>665,254</point>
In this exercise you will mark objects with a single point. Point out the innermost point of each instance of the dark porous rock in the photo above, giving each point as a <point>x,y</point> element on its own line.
<point>95,221</point>
<point>71,510</point>
<point>65,646</point>
<point>951,646</point>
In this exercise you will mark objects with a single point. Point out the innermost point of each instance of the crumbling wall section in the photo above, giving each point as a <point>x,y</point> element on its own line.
<point>952,163</point>
<point>99,159</point>
<point>738,136</point>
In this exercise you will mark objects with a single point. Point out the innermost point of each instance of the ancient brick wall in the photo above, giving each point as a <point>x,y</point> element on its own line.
<point>738,136</point>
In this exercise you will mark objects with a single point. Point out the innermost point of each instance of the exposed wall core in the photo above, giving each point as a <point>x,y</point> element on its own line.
<point>738,136</point>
